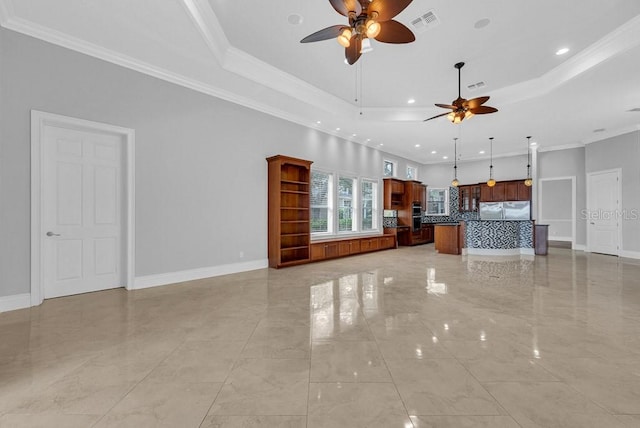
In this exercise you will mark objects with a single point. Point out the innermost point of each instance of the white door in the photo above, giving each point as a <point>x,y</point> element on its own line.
<point>81,211</point>
<point>603,208</point>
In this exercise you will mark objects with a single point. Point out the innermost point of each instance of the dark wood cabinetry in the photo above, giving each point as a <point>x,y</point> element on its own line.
<point>393,194</point>
<point>448,238</point>
<point>468,198</point>
<point>289,221</point>
<point>347,247</point>
<point>505,191</point>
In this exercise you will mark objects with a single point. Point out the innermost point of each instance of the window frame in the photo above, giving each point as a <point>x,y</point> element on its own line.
<point>375,213</point>
<point>446,201</point>
<point>355,202</point>
<point>394,168</point>
<point>330,203</point>
<point>415,169</point>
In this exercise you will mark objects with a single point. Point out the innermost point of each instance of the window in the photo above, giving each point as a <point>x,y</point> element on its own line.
<point>388,168</point>
<point>369,199</point>
<point>346,217</point>
<point>437,201</point>
<point>412,173</point>
<point>321,202</point>
<point>343,204</point>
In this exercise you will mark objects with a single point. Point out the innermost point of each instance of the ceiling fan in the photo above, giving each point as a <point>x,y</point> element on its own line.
<point>367,20</point>
<point>462,108</point>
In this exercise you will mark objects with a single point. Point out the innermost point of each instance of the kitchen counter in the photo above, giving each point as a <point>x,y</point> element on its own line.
<point>498,237</point>
<point>448,238</point>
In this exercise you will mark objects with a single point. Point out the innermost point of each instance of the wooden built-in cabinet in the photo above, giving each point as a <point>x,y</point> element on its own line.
<point>448,238</point>
<point>468,198</point>
<point>393,194</point>
<point>288,209</point>
<point>505,191</point>
<point>324,250</point>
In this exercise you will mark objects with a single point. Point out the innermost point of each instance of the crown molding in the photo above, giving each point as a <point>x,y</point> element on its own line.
<point>562,147</point>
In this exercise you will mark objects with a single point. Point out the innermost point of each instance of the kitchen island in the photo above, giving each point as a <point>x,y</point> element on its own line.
<point>498,237</point>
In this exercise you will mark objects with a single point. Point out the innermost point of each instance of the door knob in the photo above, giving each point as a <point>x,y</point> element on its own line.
<point>52,234</point>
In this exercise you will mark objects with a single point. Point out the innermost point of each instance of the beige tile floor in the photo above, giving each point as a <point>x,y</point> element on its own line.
<point>401,338</point>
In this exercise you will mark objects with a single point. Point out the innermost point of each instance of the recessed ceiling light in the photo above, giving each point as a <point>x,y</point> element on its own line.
<point>354,135</point>
<point>337,129</point>
<point>433,152</point>
<point>562,51</point>
<point>417,145</point>
<point>481,152</point>
<point>295,19</point>
<point>411,101</point>
<point>482,23</point>
<point>368,139</point>
<point>445,157</point>
<point>381,144</point>
<point>318,122</point>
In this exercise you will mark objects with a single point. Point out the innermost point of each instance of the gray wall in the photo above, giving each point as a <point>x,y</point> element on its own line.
<point>621,152</point>
<point>567,163</point>
<point>200,161</point>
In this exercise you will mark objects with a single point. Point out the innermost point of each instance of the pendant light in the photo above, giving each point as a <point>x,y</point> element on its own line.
<point>491,182</point>
<point>455,181</point>
<point>528,182</point>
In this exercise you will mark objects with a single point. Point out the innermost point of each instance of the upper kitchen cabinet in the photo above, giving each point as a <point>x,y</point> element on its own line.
<point>393,194</point>
<point>492,194</point>
<point>505,191</point>
<point>469,197</point>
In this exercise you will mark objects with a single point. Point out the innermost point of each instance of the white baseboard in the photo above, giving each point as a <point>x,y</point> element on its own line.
<point>149,281</point>
<point>630,254</point>
<point>577,247</point>
<point>15,302</point>
<point>561,238</point>
<point>498,252</point>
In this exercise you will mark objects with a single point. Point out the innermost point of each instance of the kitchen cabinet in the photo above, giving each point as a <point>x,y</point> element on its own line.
<point>492,194</point>
<point>468,198</point>
<point>427,233</point>
<point>325,250</point>
<point>393,194</point>
<point>447,239</point>
<point>516,191</point>
<point>289,233</point>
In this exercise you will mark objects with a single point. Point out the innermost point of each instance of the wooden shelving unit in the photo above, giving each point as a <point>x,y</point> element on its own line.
<point>289,214</point>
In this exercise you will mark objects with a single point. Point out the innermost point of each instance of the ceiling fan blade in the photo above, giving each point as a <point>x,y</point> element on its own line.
<point>483,110</point>
<point>343,7</point>
<point>447,106</point>
<point>352,53</point>
<point>435,117</point>
<point>324,34</point>
<point>476,102</point>
<point>394,32</point>
<point>387,9</point>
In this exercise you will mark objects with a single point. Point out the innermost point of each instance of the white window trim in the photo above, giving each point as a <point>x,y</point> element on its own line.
<point>395,168</point>
<point>331,207</point>
<point>355,204</point>
<point>377,214</point>
<point>446,202</point>
<point>415,168</point>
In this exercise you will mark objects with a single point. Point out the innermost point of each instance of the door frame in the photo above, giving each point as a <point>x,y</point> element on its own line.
<point>39,120</point>
<point>541,218</point>
<point>618,171</point>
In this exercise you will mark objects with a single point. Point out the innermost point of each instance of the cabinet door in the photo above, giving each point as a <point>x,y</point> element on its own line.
<point>511,191</point>
<point>387,195</point>
<point>524,192</point>
<point>331,250</point>
<point>486,195</point>
<point>344,248</point>
<point>317,251</point>
<point>498,192</point>
<point>355,246</point>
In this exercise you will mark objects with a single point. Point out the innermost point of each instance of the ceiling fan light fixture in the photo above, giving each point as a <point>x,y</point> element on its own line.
<point>468,114</point>
<point>345,38</point>
<point>373,28</point>
<point>366,46</point>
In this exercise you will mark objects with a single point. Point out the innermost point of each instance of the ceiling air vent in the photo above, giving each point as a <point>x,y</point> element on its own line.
<point>635,110</point>
<point>475,86</point>
<point>425,21</point>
